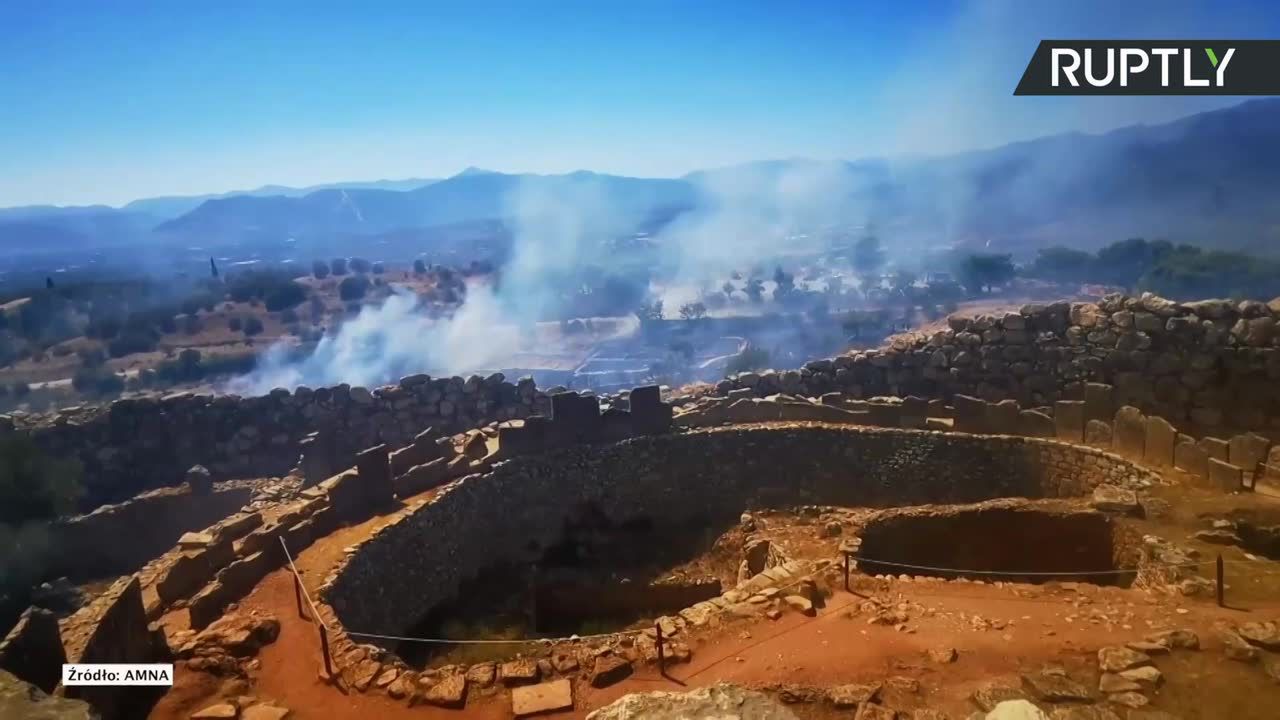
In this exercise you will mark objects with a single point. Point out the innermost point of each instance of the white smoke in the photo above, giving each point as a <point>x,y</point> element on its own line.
<point>556,223</point>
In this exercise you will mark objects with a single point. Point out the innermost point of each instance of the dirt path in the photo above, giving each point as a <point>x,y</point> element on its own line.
<point>998,631</point>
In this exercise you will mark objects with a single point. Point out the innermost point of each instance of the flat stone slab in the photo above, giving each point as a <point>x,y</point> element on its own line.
<point>554,696</point>
<point>221,711</point>
<point>519,672</point>
<point>450,692</point>
<point>1115,659</point>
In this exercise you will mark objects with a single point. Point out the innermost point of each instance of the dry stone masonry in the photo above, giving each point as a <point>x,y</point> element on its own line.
<point>137,444</point>
<point>518,507</point>
<point>1211,363</point>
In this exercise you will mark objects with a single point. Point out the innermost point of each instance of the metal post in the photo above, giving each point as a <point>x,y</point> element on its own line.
<point>1221,602</point>
<point>662,652</point>
<point>297,595</point>
<point>324,650</point>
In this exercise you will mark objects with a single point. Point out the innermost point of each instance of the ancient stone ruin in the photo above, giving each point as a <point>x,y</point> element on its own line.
<point>1093,458</point>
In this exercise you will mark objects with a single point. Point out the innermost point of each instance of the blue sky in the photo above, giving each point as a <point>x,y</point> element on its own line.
<point>104,102</point>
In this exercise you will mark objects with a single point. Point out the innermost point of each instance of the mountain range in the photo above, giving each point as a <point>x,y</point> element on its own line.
<point>1212,179</point>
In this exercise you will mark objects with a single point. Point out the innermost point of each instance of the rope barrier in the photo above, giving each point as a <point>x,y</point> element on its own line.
<point>298,577</point>
<point>442,641</point>
<point>1015,573</point>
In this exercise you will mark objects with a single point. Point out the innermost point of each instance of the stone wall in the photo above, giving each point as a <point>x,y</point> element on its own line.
<point>1211,363</point>
<point>513,512</point>
<point>113,629</point>
<point>143,443</point>
<point>119,539</point>
<point>33,649</point>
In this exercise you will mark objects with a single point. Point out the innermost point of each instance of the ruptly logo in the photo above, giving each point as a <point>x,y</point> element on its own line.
<point>1153,67</point>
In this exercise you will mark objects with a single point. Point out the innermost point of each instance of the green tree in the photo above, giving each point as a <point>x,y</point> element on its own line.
<point>1125,262</point>
<point>981,272</point>
<point>33,485</point>
<point>1064,264</point>
<point>320,269</point>
<point>353,288</point>
<point>693,311</point>
<point>868,256</point>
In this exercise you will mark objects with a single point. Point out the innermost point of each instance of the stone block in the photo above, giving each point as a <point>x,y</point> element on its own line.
<point>33,650</point>
<point>1034,423</point>
<point>1098,402</point>
<point>616,425</point>
<point>1069,419</point>
<point>422,477</point>
<point>1159,442</point>
<point>374,469</point>
<point>885,414</point>
<point>1216,448</point>
<point>1098,434</point>
<point>914,412</point>
<point>1225,476</point>
<point>241,576</point>
<point>1247,450</point>
<point>547,697</point>
<point>346,497</point>
<point>208,605</point>
<point>1002,418</point>
<point>188,572</point>
<point>407,457</point>
<point>1129,433</point>
<point>199,480</point>
<point>574,418</point>
<point>970,414</point>
<point>1192,459</point>
<point>111,629</point>
<point>648,412</point>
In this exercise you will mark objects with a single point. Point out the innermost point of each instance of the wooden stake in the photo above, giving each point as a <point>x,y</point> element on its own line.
<point>324,650</point>
<point>297,595</point>
<point>662,652</point>
<point>1221,587</point>
<point>846,571</point>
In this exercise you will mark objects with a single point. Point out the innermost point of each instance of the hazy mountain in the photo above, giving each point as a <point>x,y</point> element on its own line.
<point>173,206</point>
<point>1212,179</point>
<point>469,196</point>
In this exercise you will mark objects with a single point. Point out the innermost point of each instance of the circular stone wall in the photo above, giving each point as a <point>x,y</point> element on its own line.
<point>398,574</point>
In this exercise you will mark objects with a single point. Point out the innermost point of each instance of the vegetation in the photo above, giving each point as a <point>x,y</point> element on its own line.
<point>693,311</point>
<point>979,273</point>
<point>353,288</point>
<point>751,358</point>
<point>1179,271</point>
<point>34,486</point>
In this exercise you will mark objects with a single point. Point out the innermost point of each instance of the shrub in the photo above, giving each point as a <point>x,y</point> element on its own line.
<point>284,296</point>
<point>320,269</point>
<point>352,288</point>
<point>359,265</point>
<point>235,323</point>
<point>252,326</point>
<point>33,485</point>
<point>751,358</point>
<point>338,266</point>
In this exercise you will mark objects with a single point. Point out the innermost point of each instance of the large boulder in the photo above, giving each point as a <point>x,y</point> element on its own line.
<point>717,702</point>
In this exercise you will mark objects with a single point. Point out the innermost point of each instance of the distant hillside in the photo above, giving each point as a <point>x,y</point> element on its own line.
<point>173,206</point>
<point>468,196</point>
<point>1211,179</point>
